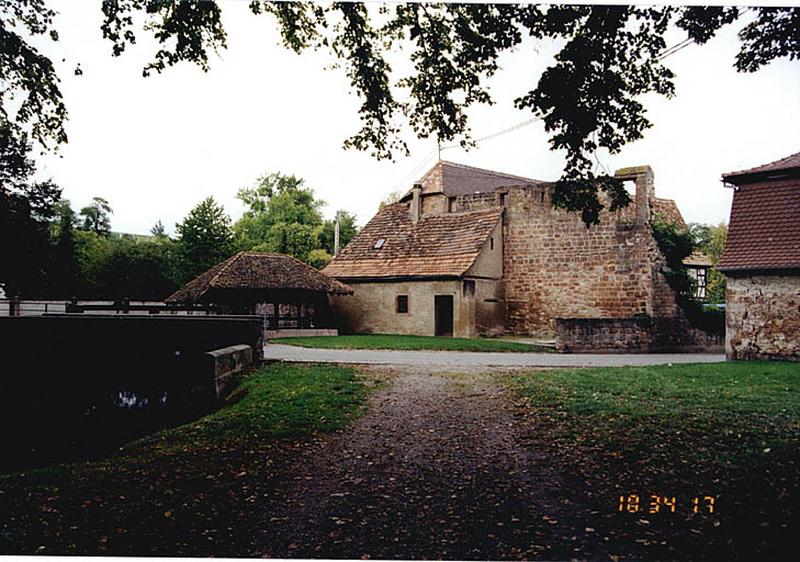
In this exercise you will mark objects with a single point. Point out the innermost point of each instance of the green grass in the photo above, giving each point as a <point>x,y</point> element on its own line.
<point>414,343</point>
<point>282,400</point>
<point>172,491</point>
<point>705,422</point>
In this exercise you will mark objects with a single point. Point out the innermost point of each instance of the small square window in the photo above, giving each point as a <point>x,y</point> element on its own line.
<point>402,304</point>
<point>469,288</point>
<point>379,243</point>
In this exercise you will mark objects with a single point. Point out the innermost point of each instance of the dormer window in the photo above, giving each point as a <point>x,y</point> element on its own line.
<point>379,243</point>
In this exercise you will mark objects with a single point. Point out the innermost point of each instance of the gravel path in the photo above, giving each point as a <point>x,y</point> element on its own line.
<point>437,468</point>
<point>458,360</point>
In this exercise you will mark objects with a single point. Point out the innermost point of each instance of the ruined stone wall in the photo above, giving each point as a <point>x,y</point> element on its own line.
<point>762,317</point>
<point>476,201</point>
<point>556,267</point>
<point>434,204</point>
<point>637,334</point>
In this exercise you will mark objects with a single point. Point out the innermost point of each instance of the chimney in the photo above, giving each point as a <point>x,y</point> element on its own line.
<point>416,202</point>
<point>645,190</point>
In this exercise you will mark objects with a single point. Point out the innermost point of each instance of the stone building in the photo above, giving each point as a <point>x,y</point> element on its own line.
<point>762,262</point>
<point>509,261</point>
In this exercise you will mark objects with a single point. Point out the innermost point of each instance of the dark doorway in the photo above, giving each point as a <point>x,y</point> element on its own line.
<point>443,313</point>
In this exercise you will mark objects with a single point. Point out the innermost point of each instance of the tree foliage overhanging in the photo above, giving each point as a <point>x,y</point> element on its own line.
<point>587,99</point>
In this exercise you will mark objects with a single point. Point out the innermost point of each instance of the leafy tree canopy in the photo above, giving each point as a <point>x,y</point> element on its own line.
<point>588,98</point>
<point>96,216</point>
<point>26,209</point>
<point>284,216</point>
<point>204,238</point>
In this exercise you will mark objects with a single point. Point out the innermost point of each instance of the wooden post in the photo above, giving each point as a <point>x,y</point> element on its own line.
<point>15,306</point>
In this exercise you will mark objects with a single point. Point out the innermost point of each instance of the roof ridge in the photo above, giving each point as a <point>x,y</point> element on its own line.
<point>759,168</point>
<point>487,171</point>
<point>224,267</point>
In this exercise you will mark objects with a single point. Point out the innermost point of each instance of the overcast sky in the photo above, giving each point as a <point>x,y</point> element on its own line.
<point>154,147</point>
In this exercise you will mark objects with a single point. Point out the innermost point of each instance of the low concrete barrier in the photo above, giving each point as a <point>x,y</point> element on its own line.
<point>226,362</point>
<point>299,332</point>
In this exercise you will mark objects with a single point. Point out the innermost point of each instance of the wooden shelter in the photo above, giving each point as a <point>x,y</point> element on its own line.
<point>284,291</point>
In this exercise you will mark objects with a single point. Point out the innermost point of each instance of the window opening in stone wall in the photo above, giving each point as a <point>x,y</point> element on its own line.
<point>451,205</point>
<point>469,288</point>
<point>491,243</point>
<point>401,305</point>
<point>502,199</point>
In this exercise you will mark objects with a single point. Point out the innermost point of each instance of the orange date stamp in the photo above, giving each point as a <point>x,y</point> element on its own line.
<point>656,503</point>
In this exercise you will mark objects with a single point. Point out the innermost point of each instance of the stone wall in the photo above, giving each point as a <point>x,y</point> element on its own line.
<point>639,334</point>
<point>762,317</point>
<point>603,335</point>
<point>557,267</point>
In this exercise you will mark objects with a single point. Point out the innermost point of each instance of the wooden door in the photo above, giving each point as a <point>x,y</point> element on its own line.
<point>443,315</point>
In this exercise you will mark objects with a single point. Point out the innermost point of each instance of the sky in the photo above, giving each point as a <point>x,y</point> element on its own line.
<point>154,147</point>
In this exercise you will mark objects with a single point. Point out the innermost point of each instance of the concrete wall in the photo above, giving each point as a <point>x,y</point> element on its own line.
<point>762,317</point>
<point>222,364</point>
<point>489,263</point>
<point>371,309</point>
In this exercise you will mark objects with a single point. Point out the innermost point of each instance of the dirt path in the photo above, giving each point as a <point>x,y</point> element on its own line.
<point>435,469</point>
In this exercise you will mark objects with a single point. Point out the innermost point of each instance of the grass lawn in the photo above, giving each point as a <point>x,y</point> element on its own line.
<point>728,431</point>
<point>153,496</point>
<point>415,343</point>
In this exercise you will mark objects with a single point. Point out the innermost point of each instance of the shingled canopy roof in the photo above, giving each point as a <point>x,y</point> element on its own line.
<point>440,245</point>
<point>258,271</point>
<point>763,234</point>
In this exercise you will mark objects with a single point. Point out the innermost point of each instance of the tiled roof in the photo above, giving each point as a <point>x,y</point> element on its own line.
<point>764,231</point>
<point>457,179</point>
<point>254,270</point>
<point>437,245</point>
<point>697,259</point>
<point>667,211</point>
<point>787,164</point>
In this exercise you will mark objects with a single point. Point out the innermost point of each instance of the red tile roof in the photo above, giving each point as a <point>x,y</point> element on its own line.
<point>666,210</point>
<point>457,179</point>
<point>764,231</point>
<point>789,165</point>
<point>438,245</point>
<point>697,259</point>
<point>254,270</point>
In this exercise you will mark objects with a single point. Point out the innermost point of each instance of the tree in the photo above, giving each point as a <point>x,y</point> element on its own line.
<point>204,239</point>
<point>283,216</point>
<point>158,231</point>
<point>26,209</point>
<point>710,239</point>
<point>347,231</point>
<point>96,216</point>
<point>587,99</point>
<point>391,198</point>
<point>66,278</point>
